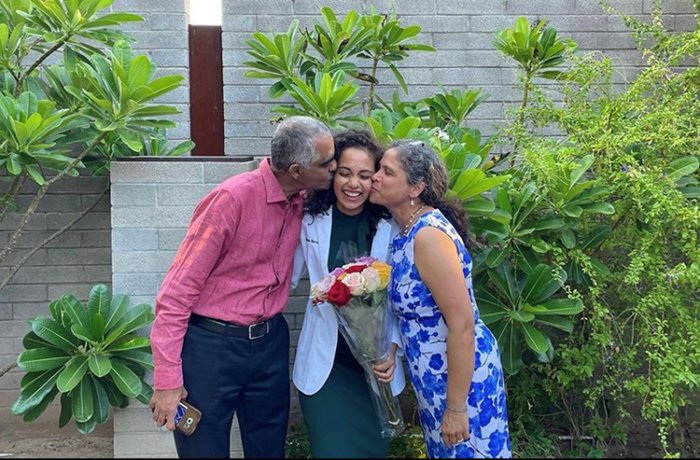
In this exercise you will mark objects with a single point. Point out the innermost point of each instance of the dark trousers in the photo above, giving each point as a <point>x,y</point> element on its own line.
<point>227,375</point>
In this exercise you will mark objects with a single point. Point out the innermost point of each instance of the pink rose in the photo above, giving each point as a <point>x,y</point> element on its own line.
<point>355,282</point>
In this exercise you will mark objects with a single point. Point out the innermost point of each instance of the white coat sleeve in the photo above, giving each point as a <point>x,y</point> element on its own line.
<point>299,267</point>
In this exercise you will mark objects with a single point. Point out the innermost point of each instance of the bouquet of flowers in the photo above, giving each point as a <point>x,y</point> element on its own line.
<point>357,292</point>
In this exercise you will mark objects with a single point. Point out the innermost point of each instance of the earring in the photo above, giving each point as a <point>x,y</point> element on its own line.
<point>412,203</point>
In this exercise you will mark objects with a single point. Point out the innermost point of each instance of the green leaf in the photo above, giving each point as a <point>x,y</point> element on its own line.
<point>125,379</point>
<point>86,427</point>
<point>54,333</point>
<point>491,308</point>
<point>66,410</point>
<point>562,307</point>
<point>82,401</point>
<point>142,358</point>
<point>136,318</point>
<point>576,174</point>
<point>509,343</point>
<point>116,398</point>
<point>573,210</point>
<point>521,316</point>
<point>101,407</point>
<point>129,343</point>
<point>503,279</point>
<point>99,300</point>
<point>568,238</point>
<point>495,257</point>
<point>550,224</point>
<point>72,374</point>
<point>31,340</point>
<point>34,413</point>
<point>118,309</point>
<point>548,355</point>
<point>596,236</point>
<point>565,324</point>
<point>100,365</point>
<point>600,208</point>
<point>75,310</point>
<point>146,393</point>
<point>681,167</point>
<point>131,139</point>
<point>42,359</point>
<point>539,285</point>
<point>534,339</point>
<point>34,388</point>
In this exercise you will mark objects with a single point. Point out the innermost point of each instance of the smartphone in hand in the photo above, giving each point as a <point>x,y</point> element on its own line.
<point>186,418</point>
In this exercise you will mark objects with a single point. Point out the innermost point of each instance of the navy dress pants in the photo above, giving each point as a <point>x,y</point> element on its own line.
<point>226,375</point>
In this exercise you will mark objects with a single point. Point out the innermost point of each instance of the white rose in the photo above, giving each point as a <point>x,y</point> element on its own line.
<point>355,282</point>
<point>320,289</point>
<point>372,280</point>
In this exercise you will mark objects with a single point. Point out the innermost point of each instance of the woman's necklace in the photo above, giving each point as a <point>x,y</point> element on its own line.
<point>407,227</point>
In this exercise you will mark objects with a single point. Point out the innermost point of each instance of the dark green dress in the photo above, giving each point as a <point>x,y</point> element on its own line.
<point>340,417</point>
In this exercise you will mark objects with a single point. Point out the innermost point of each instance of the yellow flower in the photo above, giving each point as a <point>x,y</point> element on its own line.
<point>384,271</point>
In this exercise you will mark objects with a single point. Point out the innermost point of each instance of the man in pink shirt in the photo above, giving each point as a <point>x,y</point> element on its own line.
<point>219,339</point>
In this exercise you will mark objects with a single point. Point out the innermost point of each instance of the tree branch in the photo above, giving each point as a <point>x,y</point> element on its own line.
<point>40,194</point>
<point>8,369</point>
<point>52,237</point>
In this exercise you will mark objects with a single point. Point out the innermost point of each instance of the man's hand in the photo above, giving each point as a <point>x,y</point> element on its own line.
<point>164,404</point>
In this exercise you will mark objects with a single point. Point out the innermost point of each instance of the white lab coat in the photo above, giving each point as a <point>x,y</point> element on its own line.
<point>319,333</point>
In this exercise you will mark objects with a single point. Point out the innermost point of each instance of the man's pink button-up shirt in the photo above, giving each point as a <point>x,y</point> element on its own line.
<point>234,264</point>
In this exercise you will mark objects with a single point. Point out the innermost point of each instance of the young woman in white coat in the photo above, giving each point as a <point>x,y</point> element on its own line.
<point>333,392</point>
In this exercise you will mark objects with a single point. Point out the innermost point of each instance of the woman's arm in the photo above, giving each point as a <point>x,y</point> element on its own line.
<point>439,266</point>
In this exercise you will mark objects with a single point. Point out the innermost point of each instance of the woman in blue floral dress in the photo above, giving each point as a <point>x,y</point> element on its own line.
<point>465,415</point>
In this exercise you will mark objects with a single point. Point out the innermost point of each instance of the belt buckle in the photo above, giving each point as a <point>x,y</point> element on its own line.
<point>250,330</point>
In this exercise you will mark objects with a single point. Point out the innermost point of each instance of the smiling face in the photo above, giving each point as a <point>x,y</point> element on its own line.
<point>353,180</point>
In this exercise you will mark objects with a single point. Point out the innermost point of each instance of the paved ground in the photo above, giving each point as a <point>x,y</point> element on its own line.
<point>43,439</point>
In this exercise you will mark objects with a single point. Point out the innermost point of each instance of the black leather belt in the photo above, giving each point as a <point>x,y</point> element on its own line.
<point>252,332</point>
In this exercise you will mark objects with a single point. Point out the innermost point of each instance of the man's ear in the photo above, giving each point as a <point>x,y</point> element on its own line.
<point>295,171</point>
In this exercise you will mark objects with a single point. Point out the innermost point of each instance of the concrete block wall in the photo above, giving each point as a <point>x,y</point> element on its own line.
<point>81,257</point>
<point>152,202</point>
<point>460,30</point>
<point>162,35</point>
<point>71,263</point>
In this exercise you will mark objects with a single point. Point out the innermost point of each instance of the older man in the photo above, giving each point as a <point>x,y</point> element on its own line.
<point>219,338</point>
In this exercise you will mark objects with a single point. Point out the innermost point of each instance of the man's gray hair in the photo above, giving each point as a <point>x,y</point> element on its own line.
<point>295,140</point>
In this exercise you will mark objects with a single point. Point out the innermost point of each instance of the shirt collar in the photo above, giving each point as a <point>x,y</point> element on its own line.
<point>273,189</point>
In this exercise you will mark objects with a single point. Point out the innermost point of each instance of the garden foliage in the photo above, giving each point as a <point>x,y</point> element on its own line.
<point>73,97</point>
<point>90,354</point>
<point>583,206</point>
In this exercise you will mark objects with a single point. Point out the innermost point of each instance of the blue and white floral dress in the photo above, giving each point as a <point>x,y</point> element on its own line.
<point>424,336</point>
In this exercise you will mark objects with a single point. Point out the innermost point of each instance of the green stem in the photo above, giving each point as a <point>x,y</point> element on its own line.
<point>521,115</point>
<point>16,185</point>
<point>37,63</point>
<point>370,97</point>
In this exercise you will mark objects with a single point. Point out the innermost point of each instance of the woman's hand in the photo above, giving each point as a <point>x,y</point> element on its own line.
<point>455,427</point>
<point>385,370</point>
